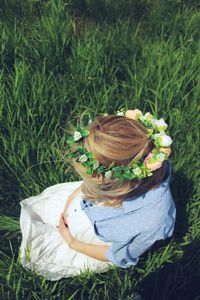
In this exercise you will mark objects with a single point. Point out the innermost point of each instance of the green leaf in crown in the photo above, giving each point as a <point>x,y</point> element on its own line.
<point>148,124</point>
<point>84,132</point>
<point>90,154</point>
<point>89,171</point>
<point>70,140</point>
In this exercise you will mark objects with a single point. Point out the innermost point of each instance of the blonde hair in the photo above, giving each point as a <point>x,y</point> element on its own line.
<point>122,140</point>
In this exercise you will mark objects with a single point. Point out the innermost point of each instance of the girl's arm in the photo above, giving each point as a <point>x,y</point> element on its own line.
<point>70,198</point>
<point>95,251</point>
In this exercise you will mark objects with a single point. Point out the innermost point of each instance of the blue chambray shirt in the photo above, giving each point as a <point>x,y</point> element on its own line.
<point>134,227</point>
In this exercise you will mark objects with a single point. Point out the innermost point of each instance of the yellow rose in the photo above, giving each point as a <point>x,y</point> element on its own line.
<point>133,114</point>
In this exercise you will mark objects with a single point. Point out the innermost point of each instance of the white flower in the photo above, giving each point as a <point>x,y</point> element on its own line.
<point>105,114</point>
<point>108,174</point>
<point>153,121</point>
<point>90,121</point>
<point>119,113</point>
<point>161,125</point>
<point>160,156</point>
<point>77,135</point>
<point>83,158</point>
<point>165,140</point>
<point>96,164</point>
<point>137,171</point>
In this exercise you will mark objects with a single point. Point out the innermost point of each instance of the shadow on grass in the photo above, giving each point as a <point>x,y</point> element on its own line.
<point>179,280</point>
<point>182,191</point>
<point>9,191</point>
<point>109,11</point>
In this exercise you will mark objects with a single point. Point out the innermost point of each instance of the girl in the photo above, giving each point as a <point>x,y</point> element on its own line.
<point>111,217</point>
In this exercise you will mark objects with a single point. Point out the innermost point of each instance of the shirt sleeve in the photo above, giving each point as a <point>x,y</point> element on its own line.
<point>127,254</point>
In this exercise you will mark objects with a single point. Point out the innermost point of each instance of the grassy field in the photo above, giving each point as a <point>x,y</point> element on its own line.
<point>58,58</point>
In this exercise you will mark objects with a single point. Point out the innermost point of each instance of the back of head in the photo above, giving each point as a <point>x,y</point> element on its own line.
<point>121,140</point>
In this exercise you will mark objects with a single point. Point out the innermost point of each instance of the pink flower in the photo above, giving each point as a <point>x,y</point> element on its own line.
<point>152,166</point>
<point>133,114</point>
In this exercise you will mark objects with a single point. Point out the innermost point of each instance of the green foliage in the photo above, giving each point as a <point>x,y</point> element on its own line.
<point>59,58</point>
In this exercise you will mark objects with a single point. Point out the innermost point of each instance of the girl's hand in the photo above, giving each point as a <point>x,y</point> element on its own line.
<point>64,230</point>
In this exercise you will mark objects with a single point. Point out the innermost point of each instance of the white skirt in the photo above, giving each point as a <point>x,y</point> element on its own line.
<point>43,249</point>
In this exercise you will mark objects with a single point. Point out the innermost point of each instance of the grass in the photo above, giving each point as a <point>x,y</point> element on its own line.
<point>59,58</point>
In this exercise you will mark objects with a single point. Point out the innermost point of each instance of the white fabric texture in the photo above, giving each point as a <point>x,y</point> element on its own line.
<point>43,249</point>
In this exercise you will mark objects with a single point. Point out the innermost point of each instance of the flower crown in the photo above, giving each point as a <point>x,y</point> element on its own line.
<point>139,168</point>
